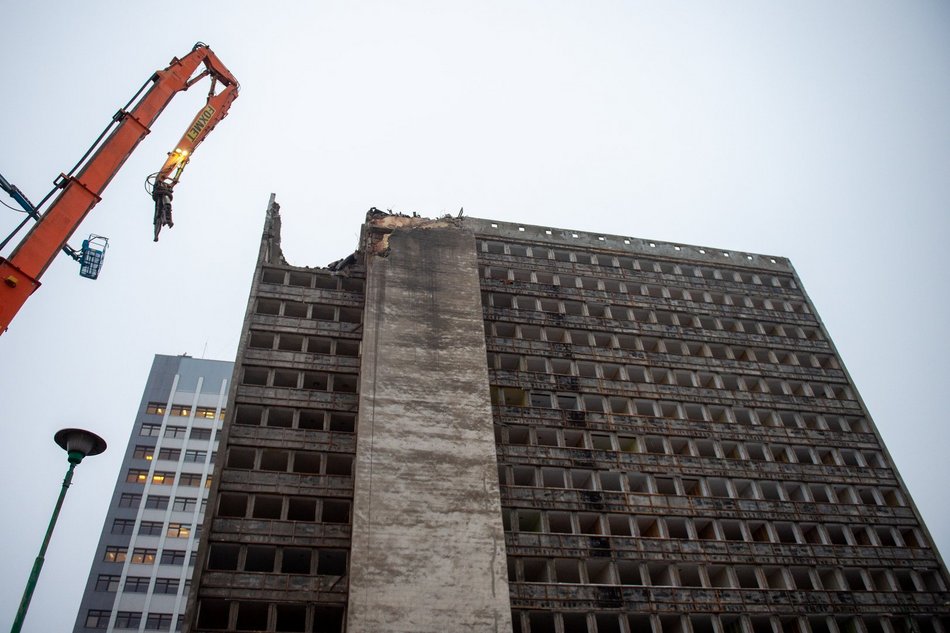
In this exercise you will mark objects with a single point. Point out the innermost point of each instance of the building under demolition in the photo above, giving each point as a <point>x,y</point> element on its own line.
<point>472,425</point>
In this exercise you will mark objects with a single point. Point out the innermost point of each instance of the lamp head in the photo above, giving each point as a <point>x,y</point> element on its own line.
<point>79,443</point>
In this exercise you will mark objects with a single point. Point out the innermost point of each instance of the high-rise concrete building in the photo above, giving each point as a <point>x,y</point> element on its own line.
<point>472,425</point>
<point>142,570</point>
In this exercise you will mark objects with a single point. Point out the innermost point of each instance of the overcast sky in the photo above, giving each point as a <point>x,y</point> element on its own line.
<point>814,130</point>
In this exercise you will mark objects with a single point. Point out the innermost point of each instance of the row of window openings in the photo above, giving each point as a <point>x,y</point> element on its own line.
<point>308,419</point>
<point>269,559</point>
<point>596,571</point>
<point>99,619</point>
<point>312,380</point>
<point>315,311</point>
<point>688,411</point>
<point>597,309</point>
<point>161,502</point>
<point>620,372</point>
<point>171,454</point>
<point>165,478</point>
<point>733,383</point>
<point>547,622</point>
<point>218,614</point>
<point>637,264</point>
<point>302,279</point>
<point>148,556</point>
<point>178,410</point>
<point>654,317</point>
<point>175,432</point>
<point>718,487</point>
<point>155,528</point>
<point>302,462</point>
<point>260,506</point>
<point>310,344</point>
<point>708,529</point>
<point>139,584</point>
<point>652,345</point>
<point>689,447</point>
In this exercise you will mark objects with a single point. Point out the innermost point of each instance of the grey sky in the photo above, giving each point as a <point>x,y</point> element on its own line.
<point>812,130</point>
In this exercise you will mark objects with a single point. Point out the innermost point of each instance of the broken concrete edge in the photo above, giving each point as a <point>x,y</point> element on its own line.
<point>380,225</point>
<point>376,231</point>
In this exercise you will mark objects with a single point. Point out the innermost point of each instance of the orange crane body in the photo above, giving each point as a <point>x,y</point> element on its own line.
<point>81,192</point>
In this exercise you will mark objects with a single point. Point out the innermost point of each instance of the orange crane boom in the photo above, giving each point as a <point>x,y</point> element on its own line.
<point>81,190</point>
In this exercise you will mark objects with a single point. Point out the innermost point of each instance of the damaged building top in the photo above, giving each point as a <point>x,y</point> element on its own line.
<point>471,425</point>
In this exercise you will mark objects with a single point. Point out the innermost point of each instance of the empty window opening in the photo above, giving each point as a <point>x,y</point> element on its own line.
<point>301,509</point>
<point>291,618</point>
<point>331,562</point>
<point>274,460</point>
<point>259,558</point>
<point>336,511</point>
<point>566,570</point>
<point>266,507</point>
<point>535,570</point>
<point>232,505</point>
<point>342,422</point>
<point>295,560</point>
<point>222,556</point>
<point>213,614</point>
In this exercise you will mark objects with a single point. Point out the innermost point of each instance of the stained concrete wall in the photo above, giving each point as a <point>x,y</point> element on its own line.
<point>428,551</point>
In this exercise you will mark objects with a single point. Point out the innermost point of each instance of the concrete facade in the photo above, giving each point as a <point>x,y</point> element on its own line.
<point>677,447</point>
<point>428,545</point>
<point>140,577</point>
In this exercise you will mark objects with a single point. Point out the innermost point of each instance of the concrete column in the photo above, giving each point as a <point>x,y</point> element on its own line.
<point>428,551</point>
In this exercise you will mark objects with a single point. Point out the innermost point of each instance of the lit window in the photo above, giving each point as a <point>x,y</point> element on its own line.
<point>178,530</point>
<point>115,554</point>
<point>143,556</point>
<point>155,408</point>
<point>136,476</point>
<point>143,452</point>
<point>163,479</point>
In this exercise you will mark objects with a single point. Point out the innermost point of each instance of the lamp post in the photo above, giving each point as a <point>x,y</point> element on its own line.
<point>78,444</point>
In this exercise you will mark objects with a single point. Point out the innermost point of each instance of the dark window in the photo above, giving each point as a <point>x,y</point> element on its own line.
<point>158,622</point>
<point>130,500</point>
<point>128,619</point>
<point>172,557</point>
<point>123,526</point>
<point>156,502</point>
<point>107,582</point>
<point>96,619</point>
<point>150,528</point>
<point>136,584</point>
<point>166,585</point>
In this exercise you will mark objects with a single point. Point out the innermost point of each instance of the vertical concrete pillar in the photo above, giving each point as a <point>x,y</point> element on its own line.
<point>428,551</point>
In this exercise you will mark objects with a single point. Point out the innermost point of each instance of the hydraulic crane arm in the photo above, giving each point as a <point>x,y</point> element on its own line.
<point>82,188</point>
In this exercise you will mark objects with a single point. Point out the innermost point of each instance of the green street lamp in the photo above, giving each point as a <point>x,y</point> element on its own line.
<point>78,444</point>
